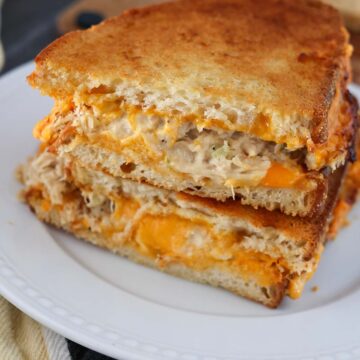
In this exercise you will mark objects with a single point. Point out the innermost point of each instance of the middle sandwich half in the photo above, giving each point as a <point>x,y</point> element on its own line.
<point>181,155</point>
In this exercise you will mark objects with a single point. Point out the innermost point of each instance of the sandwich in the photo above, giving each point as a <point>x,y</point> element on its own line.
<point>220,99</point>
<point>203,139</point>
<point>259,254</point>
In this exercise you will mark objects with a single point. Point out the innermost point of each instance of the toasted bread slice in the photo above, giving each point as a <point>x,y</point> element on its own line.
<point>259,254</point>
<point>276,70</point>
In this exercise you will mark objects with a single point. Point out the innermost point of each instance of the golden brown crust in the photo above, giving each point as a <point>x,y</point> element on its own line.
<point>283,56</point>
<point>354,145</point>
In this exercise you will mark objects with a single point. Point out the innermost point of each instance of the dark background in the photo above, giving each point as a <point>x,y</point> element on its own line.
<point>27,27</point>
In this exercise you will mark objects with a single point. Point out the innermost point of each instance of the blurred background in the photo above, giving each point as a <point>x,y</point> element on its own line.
<point>27,26</point>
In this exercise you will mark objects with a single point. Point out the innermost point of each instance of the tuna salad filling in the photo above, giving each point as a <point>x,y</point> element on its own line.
<point>229,158</point>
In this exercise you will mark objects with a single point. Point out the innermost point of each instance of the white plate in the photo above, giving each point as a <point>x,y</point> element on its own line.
<point>127,311</point>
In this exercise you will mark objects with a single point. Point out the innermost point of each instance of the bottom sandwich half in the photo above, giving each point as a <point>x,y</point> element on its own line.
<point>258,254</point>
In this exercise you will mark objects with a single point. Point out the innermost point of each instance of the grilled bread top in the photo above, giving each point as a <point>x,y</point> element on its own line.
<point>273,68</point>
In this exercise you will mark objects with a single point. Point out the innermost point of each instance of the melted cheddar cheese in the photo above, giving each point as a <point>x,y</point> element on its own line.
<point>261,127</point>
<point>125,208</point>
<point>339,131</point>
<point>279,176</point>
<point>171,238</point>
<point>42,130</point>
<point>45,205</point>
<point>124,212</point>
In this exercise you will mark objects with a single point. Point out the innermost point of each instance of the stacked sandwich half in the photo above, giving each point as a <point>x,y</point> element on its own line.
<point>209,139</point>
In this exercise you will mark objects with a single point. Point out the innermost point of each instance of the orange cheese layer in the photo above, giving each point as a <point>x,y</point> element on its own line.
<point>340,132</point>
<point>42,130</point>
<point>261,126</point>
<point>124,212</point>
<point>279,176</point>
<point>170,238</point>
